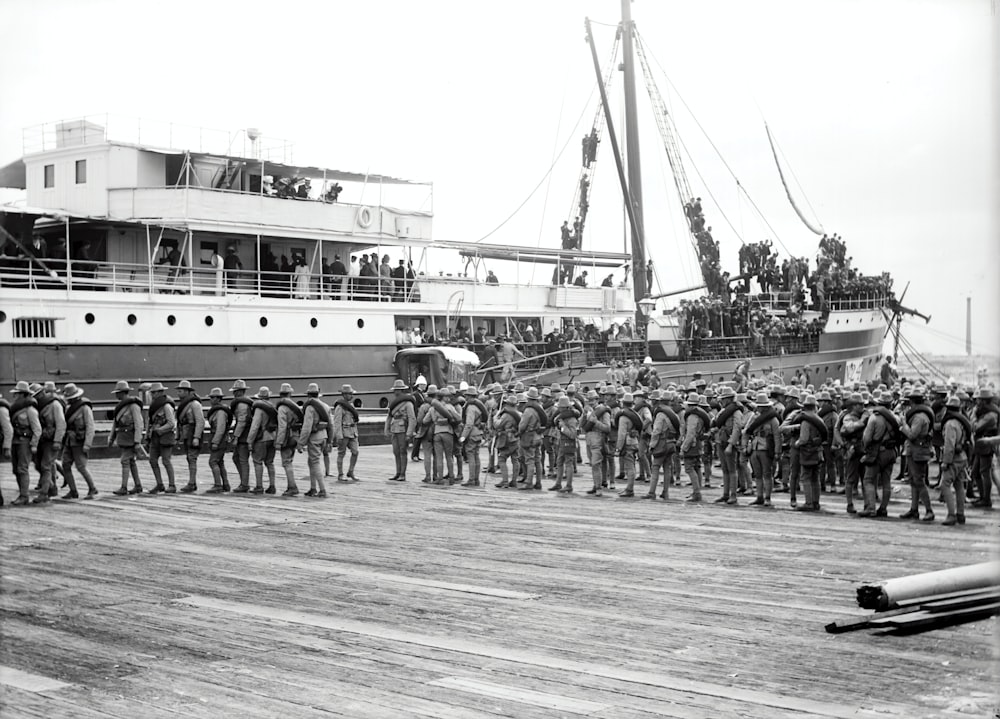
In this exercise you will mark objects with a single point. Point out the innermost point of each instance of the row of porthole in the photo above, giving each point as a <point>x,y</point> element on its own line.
<point>209,320</point>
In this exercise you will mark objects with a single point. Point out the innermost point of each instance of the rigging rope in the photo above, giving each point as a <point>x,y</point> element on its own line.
<point>788,192</point>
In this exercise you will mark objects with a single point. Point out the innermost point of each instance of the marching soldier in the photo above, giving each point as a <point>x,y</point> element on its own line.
<point>26,434</point>
<point>78,440</point>
<point>313,436</point>
<point>568,425</point>
<point>261,440</point>
<point>597,427</point>
<point>627,442</point>
<point>219,418</point>
<point>761,439</point>
<point>127,431</point>
<point>728,424</point>
<point>474,416</point>
<point>191,427</point>
<point>400,425</point>
<point>880,441</point>
<point>241,411</point>
<point>287,436</point>
<point>345,432</point>
<point>812,435</point>
<point>918,426</point>
<point>662,443</point>
<point>549,435</point>
<point>848,433</point>
<point>696,424</point>
<point>645,412</point>
<point>161,437</point>
<point>832,472</point>
<point>529,429</point>
<point>52,418</point>
<point>505,434</point>
<point>957,432</point>
<point>789,452</point>
<point>442,419</point>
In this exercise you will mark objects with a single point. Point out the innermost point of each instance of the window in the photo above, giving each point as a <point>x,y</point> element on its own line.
<point>81,172</point>
<point>31,327</point>
<point>50,175</point>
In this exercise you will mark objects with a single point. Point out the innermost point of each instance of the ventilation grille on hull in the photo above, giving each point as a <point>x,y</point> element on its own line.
<point>34,328</point>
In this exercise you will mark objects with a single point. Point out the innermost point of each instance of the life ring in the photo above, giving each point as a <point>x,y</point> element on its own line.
<point>364,217</point>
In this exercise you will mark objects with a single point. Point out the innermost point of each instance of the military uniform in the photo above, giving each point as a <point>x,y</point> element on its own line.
<point>263,426</point>
<point>161,437</point>
<point>880,455</point>
<point>917,427</point>
<point>219,419</point>
<point>474,417</point>
<point>345,432</point>
<point>695,428</point>
<point>727,426</point>
<point>6,434</point>
<point>127,431</point>
<point>529,431</point>
<point>812,434</point>
<point>400,425</point>
<point>567,425</point>
<point>954,460</point>
<point>986,425</point>
<point>505,435</point>
<point>850,429</point>
<point>627,443</point>
<point>286,437</point>
<point>78,440</point>
<point>425,435</point>
<point>760,436</point>
<point>190,428</point>
<point>313,436</point>
<point>52,418</point>
<point>26,434</point>
<point>663,446</point>
<point>597,427</point>
<point>241,411</point>
<point>442,418</point>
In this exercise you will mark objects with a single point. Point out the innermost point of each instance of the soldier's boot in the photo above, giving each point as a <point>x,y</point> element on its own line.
<point>271,480</point>
<point>290,480</point>
<point>157,479</point>
<point>169,466</point>
<point>568,488</point>
<point>350,467</point>
<point>258,487</point>
<point>89,479</point>
<point>340,466</point>
<point>326,464</point>
<point>192,484</point>
<point>136,482</point>
<point>124,488</point>
<point>868,490</point>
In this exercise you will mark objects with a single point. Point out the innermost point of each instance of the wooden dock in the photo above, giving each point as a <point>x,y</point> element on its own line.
<point>404,600</point>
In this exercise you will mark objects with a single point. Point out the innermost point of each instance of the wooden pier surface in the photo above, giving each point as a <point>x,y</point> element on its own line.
<point>404,600</point>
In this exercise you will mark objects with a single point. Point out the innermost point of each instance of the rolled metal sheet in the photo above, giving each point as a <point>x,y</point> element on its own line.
<point>888,594</point>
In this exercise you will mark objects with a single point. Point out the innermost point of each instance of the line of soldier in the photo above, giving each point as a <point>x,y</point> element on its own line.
<point>41,423</point>
<point>824,440</point>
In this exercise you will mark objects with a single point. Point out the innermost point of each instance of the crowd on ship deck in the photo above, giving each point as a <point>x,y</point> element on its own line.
<point>813,442</point>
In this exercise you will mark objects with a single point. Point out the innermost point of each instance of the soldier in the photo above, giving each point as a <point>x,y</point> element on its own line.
<point>494,404</point>
<point>596,426</point>
<point>400,425</point>
<point>662,443</point>
<point>789,452</point>
<point>457,401</point>
<point>505,436</point>
<point>708,442</point>
<point>812,435</point>
<point>571,392</point>
<point>567,423</point>
<point>957,433</point>
<point>611,402</point>
<point>261,440</point>
<point>442,419</point>
<point>530,429</point>
<point>313,436</point>
<point>161,437</point>
<point>127,431</point>
<point>241,409</point>
<point>642,408</point>
<point>52,418</point>
<point>986,425</point>
<point>880,439</point>
<point>627,442</point>
<point>425,434</point>
<point>474,417</point>
<point>26,434</point>
<point>345,432</point>
<point>6,434</point>
<point>832,469</point>
<point>419,398</point>
<point>696,424</point>
<point>549,438</point>
<point>848,433</point>
<point>728,424</point>
<point>219,417</point>
<point>286,436</point>
<point>190,428</point>
<point>918,426</point>
<point>760,437</point>
<point>78,440</point>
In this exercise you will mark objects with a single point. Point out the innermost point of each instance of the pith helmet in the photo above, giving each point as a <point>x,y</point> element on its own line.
<point>421,381</point>
<point>399,385</point>
<point>312,390</point>
<point>216,392</point>
<point>263,393</point>
<point>120,386</point>
<point>238,384</point>
<point>285,389</point>
<point>71,391</point>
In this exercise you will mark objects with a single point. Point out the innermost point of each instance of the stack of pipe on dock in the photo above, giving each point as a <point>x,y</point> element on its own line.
<point>921,602</point>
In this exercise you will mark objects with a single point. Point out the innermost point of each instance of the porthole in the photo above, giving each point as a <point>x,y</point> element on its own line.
<point>209,321</point>
<point>383,403</point>
<point>132,319</point>
<point>3,316</point>
<point>361,324</point>
<point>89,318</point>
<point>171,320</point>
<point>358,402</point>
<point>263,321</point>
<point>313,322</point>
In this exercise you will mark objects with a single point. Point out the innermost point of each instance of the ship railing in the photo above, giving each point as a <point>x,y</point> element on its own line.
<point>720,348</point>
<point>862,301</point>
<point>85,275</point>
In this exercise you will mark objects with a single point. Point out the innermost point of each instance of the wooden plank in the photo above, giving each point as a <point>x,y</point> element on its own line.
<point>11,677</point>
<point>520,695</point>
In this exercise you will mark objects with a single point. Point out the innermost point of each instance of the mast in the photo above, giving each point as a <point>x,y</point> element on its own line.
<point>632,151</point>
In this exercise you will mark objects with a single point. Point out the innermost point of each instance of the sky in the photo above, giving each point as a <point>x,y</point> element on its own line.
<point>884,112</point>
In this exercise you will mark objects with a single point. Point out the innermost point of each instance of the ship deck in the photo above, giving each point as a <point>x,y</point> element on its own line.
<point>390,600</point>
